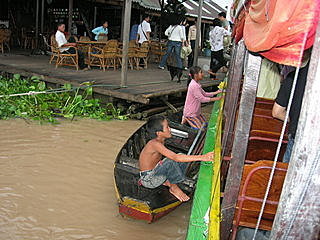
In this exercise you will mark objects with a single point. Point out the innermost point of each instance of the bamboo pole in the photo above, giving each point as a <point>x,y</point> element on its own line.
<point>95,17</point>
<point>196,48</point>
<point>70,16</point>
<point>125,33</point>
<point>42,17</point>
<point>298,213</point>
<point>37,22</point>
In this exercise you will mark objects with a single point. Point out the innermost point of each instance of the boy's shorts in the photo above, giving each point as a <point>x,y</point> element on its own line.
<point>166,169</point>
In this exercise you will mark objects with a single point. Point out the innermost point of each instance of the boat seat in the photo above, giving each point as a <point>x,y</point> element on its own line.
<point>252,190</point>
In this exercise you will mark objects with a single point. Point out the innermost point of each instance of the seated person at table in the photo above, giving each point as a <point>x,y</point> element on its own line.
<point>171,170</point>
<point>101,31</point>
<point>68,47</point>
<point>195,96</point>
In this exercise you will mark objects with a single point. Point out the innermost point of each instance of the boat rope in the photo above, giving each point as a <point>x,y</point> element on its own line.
<point>281,138</point>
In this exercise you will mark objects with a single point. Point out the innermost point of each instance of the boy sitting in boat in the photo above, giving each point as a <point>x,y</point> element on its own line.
<point>171,170</point>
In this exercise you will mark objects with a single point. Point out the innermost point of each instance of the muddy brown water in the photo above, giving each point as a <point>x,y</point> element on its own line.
<point>56,182</point>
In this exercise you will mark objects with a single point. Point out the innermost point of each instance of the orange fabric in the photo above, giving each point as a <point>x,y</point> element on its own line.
<point>276,28</point>
<point>237,33</point>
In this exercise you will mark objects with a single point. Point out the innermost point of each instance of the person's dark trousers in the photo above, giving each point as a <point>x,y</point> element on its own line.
<point>175,47</point>
<point>72,50</point>
<point>191,56</point>
<point>217,61</point>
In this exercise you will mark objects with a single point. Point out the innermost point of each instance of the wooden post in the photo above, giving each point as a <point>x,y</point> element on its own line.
<point>42,17</point>
<point>37,23</point>
<point>95,17</point>
<point>240,143</point>
<point>298,213</point>
<point>70,16</point>
<point>122,20</point>
<point>196,47</point>
<point>125,33</point>
<point>231,101</point>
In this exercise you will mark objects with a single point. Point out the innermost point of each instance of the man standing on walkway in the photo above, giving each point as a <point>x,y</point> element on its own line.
<point>144,30</point>
<point>192,35</point>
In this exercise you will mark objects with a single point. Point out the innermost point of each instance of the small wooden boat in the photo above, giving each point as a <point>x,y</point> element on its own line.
<point>146,204</point>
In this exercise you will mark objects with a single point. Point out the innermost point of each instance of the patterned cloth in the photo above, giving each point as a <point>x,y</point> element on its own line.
<point>216,38</point>
<point>197,122</point>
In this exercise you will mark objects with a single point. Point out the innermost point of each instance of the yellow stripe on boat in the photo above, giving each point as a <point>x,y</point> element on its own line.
<point>143,207</point>
<point>214,220</point>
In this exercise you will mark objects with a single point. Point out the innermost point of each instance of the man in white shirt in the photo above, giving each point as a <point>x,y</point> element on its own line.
<point>216,41</point>
<point>176,36</point>
<point>144,30</point>
<point>66,47</point>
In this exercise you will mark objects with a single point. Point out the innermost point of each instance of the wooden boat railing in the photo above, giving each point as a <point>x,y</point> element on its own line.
<point>252,189</point>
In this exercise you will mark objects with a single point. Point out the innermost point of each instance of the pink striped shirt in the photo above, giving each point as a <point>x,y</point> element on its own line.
<point>195,96</point>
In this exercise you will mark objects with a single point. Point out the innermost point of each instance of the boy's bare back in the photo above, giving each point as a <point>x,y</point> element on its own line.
<point>149,156</point>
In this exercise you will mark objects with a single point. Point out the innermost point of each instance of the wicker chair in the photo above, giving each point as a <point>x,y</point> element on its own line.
<point>102,38</point>
<point>4,39</point>
<point>84,38</point>
<point>63,59</point>
<point>157,50</point>
<point>142,55</point>
<point>132,52</point>
<point>105,57</point>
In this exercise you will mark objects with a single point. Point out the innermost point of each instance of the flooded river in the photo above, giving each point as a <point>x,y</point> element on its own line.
<point>56,182</point>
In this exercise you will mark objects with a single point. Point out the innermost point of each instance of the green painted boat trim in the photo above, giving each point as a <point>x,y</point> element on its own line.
<point>199,218</point>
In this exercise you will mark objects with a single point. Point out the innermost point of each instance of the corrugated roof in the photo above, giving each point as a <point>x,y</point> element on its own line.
<point>210,9</point>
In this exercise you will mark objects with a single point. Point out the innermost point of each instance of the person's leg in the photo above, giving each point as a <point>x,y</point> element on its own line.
<point>177,53</point>
<point>218,55</point>
<point>191,56</point>
<point>164,58</point>
<point>213,62</point>
<point>81,59</point>
<point>287,154</point>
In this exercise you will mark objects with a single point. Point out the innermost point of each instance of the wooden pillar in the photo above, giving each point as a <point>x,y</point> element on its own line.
<point>239,148</point>
<point>37,23</point>
<point>95,17</point>
<point>125,34</point>
<point>298,213</point>
<point>122,20</point>
<point>196,47</point>
<point>42,17</point>
<point>231,99</point>
<point>70,16</point>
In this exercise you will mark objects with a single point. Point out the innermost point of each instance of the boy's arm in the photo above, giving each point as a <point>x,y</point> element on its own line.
<point>182,157</point>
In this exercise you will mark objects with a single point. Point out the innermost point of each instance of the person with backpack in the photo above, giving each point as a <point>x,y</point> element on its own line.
<point>144,30</point>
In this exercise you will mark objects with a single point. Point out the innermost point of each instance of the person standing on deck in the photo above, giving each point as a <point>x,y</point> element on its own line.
<point>224,22</point>
<point>134,31</point>
<point>67,47</point>
<point>216,36</point>
<point>280,106</point>
<point>101,31</point>
<point>192,35</point>
<point>195,96</point>
<point>144,30</point>
<point>176,37</point>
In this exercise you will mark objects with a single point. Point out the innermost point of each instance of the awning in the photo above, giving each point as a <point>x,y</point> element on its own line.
<point>210,9</point>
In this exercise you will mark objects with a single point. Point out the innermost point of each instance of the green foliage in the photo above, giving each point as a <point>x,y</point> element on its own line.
<point>47,107</point>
